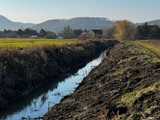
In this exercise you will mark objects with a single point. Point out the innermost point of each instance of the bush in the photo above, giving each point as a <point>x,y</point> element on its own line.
<point>124,30</point>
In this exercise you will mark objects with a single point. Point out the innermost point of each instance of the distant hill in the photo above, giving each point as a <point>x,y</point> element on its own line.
<point>57,25</point>
<point>154,22</point>
<point>75,23</point>
<point>5,23</point>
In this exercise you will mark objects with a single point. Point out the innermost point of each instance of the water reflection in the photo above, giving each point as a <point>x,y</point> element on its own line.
<point>39,103</point>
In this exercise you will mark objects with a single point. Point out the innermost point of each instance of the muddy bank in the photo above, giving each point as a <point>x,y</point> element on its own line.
<point>126,86</point>
<point>23,71</point>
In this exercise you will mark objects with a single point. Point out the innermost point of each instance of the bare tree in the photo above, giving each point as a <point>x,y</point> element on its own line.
<point>124,30</point>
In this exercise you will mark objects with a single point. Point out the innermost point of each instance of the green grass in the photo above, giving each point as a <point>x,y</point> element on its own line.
<point>129,98</point>
<point>152,46</point>
<point>151,51</point>
<point>32,43</point>
<point>149,48</point>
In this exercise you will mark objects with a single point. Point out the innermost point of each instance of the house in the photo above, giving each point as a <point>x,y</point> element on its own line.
<point>34,36</point>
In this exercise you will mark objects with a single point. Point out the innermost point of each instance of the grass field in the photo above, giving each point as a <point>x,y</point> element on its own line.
<point>151,45</point>
<point>30,43</point>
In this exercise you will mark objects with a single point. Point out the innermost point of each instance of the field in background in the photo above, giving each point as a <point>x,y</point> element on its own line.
<point>151,45</point>
<point>30,43</point>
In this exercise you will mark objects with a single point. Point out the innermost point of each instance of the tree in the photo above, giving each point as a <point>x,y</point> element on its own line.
<point>143,31</point>
<point>77,32</point>
<point>68,32</point>
<point>109,33</point>
<point>146,31</point>
<point>154,32</point>
<point>30,32</point>
<point>42,33</point>
<point>20,32</point>
<point>124,30</point>
<point>91,34</point>
<point>51,35</point>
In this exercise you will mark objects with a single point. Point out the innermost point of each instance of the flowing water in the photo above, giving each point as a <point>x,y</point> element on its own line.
<point>45,99</point>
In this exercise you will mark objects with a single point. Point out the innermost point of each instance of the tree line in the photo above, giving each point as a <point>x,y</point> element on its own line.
<point>125,30</point>
<point>30,33</point>
<point>26,33</point>
<point>122,30</point>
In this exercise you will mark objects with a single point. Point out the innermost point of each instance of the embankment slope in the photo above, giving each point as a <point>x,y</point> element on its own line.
<point>24,70</point>
<point>126,86</point>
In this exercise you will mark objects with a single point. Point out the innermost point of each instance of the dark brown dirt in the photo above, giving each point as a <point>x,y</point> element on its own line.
<point>126,86</point>
<point>23,71</point>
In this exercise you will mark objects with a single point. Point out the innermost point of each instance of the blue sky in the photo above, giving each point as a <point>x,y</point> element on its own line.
<point>41,10</point>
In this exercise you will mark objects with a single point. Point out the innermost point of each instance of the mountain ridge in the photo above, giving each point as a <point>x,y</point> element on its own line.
<point>154,22</point>
<point>5,23</point>
<point>57,25</point>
